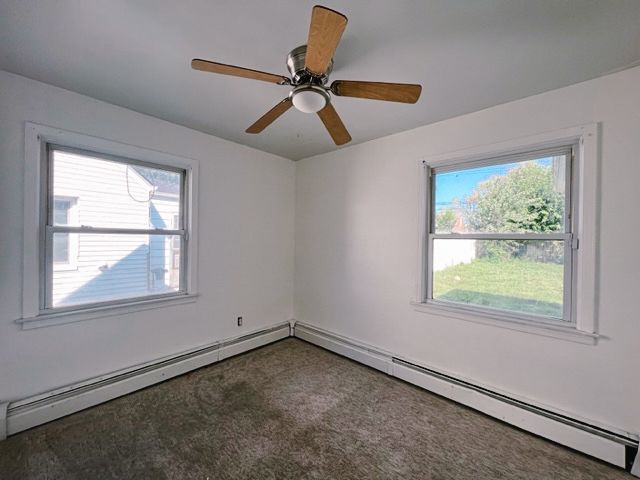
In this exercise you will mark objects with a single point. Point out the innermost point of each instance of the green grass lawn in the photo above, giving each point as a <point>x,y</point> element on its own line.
<point>516,285</point>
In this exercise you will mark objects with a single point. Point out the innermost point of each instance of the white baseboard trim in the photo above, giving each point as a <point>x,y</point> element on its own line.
<point>21,415</point>
<point>606,444</point>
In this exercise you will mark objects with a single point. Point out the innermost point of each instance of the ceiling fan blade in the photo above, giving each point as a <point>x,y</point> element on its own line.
<point>214,67</point>
<point>390,92</point>
<point>325,32</point>
<point>270,117</point>
<point>334,125</point>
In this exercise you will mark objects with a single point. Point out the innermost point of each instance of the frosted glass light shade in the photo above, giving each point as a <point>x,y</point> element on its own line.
<point>309,101</point>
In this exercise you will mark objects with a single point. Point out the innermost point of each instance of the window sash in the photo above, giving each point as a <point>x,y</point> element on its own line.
<point>114,158</point>
<point>52,147</point>
<point>504,236</point>
<point>567,306</point>
<point>504,159</point>
<point>49,228</point>
<point>567,150</point>
<point>107,230</point>
<point>108,303</point>
<point>49,264</point>
<point>567,236</point>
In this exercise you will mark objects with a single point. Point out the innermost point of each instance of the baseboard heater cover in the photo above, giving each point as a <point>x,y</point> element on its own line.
<point>36,410</point>
<point>605,444</point>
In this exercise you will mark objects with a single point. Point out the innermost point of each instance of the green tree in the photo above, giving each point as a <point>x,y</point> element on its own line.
<point>523,200</point>
<point>445,220</point>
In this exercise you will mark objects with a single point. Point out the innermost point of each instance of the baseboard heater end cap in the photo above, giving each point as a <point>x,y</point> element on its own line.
<point>634,462</point>
<point>3,420</point>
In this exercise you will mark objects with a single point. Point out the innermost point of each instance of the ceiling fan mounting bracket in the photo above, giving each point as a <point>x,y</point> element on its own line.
<point>300,75</point>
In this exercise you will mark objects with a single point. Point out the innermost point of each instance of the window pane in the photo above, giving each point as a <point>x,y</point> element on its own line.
<point>523,196</point>
<point>61,212</point>
<point>114,194</point>
<point>524,276</point>
<point>61,248</point>
<point>116,266</point>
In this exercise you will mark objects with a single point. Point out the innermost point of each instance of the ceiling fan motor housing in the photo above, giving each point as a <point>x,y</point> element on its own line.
<point>295,65</point>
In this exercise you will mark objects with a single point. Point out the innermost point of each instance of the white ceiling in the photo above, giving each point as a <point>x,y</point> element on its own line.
<point>467,54</point>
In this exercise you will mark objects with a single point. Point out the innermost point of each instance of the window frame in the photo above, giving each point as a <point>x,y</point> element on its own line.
<point>38,225</point>
<point>48,228</point>
<point>571,151</point>
<point>581,326</point>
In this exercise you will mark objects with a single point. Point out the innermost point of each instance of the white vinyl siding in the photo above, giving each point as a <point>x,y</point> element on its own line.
<point>96,255</point>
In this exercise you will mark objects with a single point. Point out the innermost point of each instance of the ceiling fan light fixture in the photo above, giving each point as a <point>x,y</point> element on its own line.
<point>309,98</point>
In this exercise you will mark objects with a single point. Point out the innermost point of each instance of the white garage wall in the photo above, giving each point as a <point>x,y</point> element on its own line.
<point>357,243</point>
<point>245,245</point>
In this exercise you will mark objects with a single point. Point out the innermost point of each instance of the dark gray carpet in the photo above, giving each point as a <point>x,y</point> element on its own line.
<point>288,410</point>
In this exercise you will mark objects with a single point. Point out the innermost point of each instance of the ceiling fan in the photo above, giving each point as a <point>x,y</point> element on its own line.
<point>310,66</point>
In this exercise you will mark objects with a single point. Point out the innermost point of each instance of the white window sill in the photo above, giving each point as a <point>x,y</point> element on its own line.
<point>90,313</point>
<point>562,332</point>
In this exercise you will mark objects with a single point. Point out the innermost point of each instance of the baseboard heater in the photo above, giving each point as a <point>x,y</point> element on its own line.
<point>608,444</point>
<point>16,416</point>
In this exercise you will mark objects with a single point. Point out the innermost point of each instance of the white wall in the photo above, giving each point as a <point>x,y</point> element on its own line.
<point>357,243</point>
<point>245,245</point>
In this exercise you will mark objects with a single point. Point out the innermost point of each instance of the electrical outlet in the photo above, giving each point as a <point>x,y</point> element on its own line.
<point>239,321</point>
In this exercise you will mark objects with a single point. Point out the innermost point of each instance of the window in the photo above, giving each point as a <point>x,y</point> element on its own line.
<point>501,235</point>
<point>129,238</point>
<point>508,234</point>
<point>109,228</point>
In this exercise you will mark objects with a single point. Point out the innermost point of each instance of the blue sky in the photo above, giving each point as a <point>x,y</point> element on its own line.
<point>452,185</point>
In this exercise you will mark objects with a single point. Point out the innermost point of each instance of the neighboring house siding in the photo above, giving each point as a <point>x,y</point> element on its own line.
<point>102,190</point>
<point>103,267</point>
<point>163,215</point>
